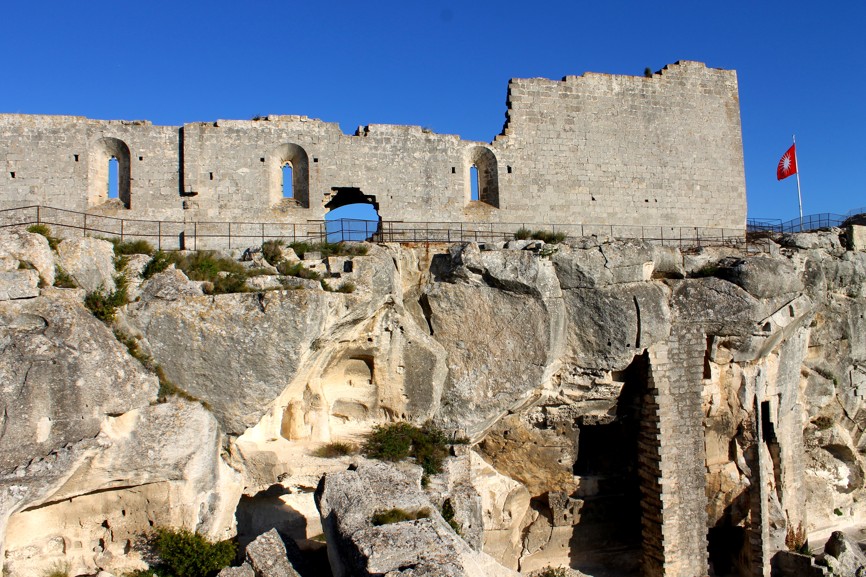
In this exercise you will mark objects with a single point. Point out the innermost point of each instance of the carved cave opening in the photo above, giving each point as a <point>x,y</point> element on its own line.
<point>352,215</point>
<point>607,536</point>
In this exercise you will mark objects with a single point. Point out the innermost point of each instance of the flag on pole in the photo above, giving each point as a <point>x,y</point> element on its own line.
<point>787,164</point>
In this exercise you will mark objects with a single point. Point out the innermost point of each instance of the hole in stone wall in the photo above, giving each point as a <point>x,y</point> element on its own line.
<point>508,168</point>
<point>288,190</point>
<point>210,174</point>
<point>12,174</point>
<point>262,159</point>
<point>113,184</point>
<point>473,182</point>
<point>141,158</point>
<point>453,170</point>
<point>352,216</point>
<point>315,159</point>
<point>75,156</point>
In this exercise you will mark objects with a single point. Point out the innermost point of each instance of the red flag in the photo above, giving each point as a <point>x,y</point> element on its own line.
<point>788,163</point>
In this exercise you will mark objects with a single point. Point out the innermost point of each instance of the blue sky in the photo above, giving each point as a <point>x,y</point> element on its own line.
<point>445,65</point>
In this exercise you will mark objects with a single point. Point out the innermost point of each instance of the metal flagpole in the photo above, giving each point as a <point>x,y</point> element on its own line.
<point>799,195</point>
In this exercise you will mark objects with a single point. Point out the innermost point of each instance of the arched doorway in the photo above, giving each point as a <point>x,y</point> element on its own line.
<point>352,216</point>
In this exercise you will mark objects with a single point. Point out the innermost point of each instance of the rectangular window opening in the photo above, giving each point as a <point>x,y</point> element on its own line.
<point>315,159</point>
<point>509,169</point>
<point>113,185</point>
<point>473,182</point>
<point>262,159</point>
<point>288,188</point>
<point>211,175</point>
<point>141,158</point>
<point>12,174</point>
<point>453,170</point>
<point>75,156</point>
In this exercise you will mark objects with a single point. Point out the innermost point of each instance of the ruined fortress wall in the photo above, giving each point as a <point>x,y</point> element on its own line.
<point>625,149</point>
<point>237,167</point>
<point>62,161</point>
<point>598,149</point>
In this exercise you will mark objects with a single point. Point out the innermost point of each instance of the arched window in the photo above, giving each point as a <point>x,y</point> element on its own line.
<point>482,183</point>
<point>109,176</point>
<point>289,176</point>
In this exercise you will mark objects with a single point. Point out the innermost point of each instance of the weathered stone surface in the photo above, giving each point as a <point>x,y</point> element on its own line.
<point>32,250</point>
<point>19,284</point>
<point>62,371</point>
<point>267,556</point>
<point>244,570</point>
<point>160,464</point>
<point>844,556</point>
<point>347,502</point>
<point>763,276</point>
<point>88,260</point>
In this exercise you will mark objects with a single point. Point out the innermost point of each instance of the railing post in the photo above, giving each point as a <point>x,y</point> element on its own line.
<point>195,236</point>
<point>121,229</point>
<point>158,235</point>
<point>85,224</point>
<point>263,233</point>
<point>230,236</point>
<point>38,215</point>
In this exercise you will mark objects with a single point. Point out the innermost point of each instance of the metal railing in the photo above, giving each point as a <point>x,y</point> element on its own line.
<point>196,235</point>
<point>806,224</point>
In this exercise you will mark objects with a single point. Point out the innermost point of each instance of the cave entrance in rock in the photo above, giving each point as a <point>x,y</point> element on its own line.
<point>352,216</point>
<point>607,537</point>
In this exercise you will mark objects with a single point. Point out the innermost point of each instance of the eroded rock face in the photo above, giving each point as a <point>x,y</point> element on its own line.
<point>90,261</point>
<point>347,502</point>
<point>573,369</point>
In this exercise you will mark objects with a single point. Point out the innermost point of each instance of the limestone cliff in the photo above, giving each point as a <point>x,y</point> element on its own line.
<point>632,408</point>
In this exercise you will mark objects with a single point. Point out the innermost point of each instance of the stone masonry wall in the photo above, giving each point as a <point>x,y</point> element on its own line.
<point>657,153</point>
<point>676,372</point>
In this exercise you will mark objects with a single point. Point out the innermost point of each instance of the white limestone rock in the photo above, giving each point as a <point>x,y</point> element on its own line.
<point>88,260</point>
<point>19,284</point>
<point>427,546</point>
<point>19,247</point>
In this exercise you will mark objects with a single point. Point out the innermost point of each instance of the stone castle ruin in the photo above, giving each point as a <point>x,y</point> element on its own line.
<point>644,154</point>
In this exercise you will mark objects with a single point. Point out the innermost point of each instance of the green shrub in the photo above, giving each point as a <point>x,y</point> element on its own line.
<point>63,279</point>
<point>206,265</point>
<point>552,572</point>
<point>182,553</point>
<point>104,304</point>
<point>230,283</point>
<point>128,247</point>
<point>448,514</point>
<point>272,251</point>
<point>548,236</point>
<point>157,263</point>
<point>59,569</point>
<point>43,229</point>
<point>523,233</point>
<point>329,248</point>
<point>346,287</point>
<point>838,512</point>
<point>336,449</point>
<point>397,515</point>
<point>297,269</point>
<point>427,445</point>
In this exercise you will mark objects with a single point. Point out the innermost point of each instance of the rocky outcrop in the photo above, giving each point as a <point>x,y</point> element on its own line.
<point>603,386</point>
<point>265,557</point>
<point>347,502</point>
<point>90,261</point>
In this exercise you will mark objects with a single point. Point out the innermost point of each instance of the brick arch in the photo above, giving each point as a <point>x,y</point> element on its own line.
<point>488,175</point>
<point>296,156</point>
<point>101,153</point>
